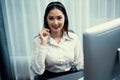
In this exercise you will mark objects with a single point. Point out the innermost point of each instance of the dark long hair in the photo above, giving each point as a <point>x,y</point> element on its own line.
<point>59,6</point>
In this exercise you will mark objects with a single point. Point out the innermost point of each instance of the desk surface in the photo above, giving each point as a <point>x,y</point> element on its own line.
<point>72,76</point>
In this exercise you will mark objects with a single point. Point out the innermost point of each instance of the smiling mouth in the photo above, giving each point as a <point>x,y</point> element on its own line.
<point>55,27</point>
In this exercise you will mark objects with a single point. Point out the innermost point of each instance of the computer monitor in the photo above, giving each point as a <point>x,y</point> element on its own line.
<point>100,45</point>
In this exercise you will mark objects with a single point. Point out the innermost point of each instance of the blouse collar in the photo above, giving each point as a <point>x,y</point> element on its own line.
<point>64,37</point>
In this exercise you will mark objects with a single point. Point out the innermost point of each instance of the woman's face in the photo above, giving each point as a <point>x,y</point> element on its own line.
<point>55,20</point>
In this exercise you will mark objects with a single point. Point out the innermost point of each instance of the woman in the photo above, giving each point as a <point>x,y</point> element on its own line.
<point>56,50</point>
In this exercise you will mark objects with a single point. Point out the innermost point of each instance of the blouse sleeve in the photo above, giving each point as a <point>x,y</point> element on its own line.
<point>78,59</point>
<point>38,57</point>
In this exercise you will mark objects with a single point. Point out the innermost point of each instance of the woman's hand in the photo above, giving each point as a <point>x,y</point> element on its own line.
<point>44,35</point>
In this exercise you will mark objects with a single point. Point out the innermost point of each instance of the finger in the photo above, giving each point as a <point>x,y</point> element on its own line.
<point>46,29</point>
<point>44,32</point>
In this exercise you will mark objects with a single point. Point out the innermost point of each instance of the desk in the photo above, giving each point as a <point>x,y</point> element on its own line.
<point>72,76</point>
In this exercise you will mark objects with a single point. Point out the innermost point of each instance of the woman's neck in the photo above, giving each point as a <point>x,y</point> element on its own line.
<point>56,34</point>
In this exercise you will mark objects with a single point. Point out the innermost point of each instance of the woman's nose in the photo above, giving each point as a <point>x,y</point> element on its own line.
<point>55,22</point>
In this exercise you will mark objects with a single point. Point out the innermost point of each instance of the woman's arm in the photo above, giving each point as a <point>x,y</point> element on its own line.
<point>39,52</point>
<point>38,57</point>
<point>79,58</point>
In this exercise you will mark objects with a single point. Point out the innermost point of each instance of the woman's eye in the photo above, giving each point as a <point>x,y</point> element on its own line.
<point>59,18</point>
<point>51,18</point>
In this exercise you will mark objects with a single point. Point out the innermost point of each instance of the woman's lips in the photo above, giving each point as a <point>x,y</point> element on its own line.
<point>55,27</point>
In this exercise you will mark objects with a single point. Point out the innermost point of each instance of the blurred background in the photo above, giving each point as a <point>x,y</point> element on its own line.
<point>21,20</point>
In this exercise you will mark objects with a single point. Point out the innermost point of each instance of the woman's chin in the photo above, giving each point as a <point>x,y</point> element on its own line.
<point>56,30</point>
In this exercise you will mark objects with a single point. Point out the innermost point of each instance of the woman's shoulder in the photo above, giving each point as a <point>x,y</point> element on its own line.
<point>72,35</point>
<point>37,39</point>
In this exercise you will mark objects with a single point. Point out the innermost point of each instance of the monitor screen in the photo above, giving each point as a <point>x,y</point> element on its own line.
<point>100,47</point>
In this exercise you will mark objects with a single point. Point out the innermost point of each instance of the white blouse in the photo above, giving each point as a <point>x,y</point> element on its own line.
<point>57,57</point>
